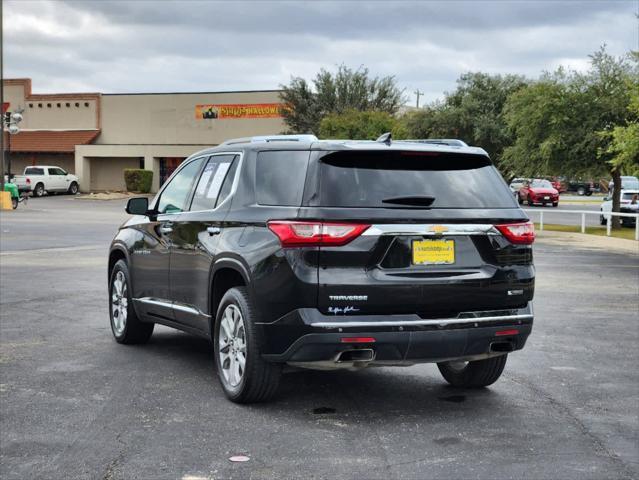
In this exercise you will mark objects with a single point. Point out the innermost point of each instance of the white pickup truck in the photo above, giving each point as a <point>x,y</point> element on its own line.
<point>45,178</point>
<point>628,203</point>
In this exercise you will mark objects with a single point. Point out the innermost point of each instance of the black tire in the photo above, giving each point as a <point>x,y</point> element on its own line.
<point>134,331</point>
<point>588,193</point>
<point>556,204</point>
<point>519,200</point>
<point>530,202</point>
<point>602,220</point>
<point>73,188</point>
<point>38,190</point>
<point>14,202</point>
<point>259,379</point>
<point>477,374</point>
<point>581,191</point>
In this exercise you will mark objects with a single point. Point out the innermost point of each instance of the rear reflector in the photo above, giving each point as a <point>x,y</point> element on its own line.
<point>357,340</point>
<point>518,233</point>
<point>308,234</point>
<point>505,333</point>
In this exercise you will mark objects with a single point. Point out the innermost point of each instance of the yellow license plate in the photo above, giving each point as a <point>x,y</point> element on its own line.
<point>433,252</point>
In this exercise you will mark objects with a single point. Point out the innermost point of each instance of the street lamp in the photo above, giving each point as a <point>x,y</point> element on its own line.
<point>10,122</point>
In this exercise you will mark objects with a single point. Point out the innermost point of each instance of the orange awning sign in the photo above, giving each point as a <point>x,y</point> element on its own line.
<point>244,110</point>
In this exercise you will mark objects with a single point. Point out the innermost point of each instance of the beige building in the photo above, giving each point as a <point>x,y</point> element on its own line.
<point>96,136</point>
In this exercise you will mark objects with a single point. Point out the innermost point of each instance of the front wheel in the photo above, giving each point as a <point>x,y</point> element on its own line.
<point>602,220</point>
<point>581,191</point>
<point>479,373</point>
<point>73,188</point>
<point>556,204</point>
<point>125,324</point>
<point>530,202</point>
<point>14,202</point>
<point>244,375</point>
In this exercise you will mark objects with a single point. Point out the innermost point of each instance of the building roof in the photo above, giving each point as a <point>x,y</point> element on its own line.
<point>51,141</point>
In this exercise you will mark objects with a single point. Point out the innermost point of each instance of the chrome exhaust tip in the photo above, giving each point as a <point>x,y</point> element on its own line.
<point>356,355</point>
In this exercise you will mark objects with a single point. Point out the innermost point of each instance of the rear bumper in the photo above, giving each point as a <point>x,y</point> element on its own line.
<point>307,337</point>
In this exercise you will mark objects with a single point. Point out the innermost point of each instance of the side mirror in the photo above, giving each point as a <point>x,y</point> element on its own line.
<point>137,206</point>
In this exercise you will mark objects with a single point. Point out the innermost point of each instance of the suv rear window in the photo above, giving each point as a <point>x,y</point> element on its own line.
<point>280,177</point>
<point>366,179</point>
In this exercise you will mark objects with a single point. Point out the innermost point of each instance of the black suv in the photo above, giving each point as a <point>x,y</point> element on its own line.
<point>287,250</point>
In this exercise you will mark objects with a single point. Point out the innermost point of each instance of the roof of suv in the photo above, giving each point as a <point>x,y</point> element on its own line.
<point>310,142</point>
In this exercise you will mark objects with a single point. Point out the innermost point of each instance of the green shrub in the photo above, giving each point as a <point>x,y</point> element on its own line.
<point>138,180</point>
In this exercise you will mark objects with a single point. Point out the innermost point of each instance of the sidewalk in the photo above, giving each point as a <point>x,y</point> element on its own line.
<point>581,240</point>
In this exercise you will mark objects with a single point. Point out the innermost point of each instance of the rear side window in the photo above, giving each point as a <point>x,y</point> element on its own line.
<point>210,182</point>
<point>280,177</point>
<point>402,179</point>
<point>34,171</point>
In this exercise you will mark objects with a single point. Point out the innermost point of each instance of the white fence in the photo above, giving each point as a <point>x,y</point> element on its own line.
<point>583,214</point>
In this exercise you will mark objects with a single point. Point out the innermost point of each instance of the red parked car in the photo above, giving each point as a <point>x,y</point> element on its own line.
<point>538,191</point>
<point>556,184</point>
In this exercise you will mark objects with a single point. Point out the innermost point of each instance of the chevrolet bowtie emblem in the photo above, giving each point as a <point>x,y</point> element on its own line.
<point>438,229</point>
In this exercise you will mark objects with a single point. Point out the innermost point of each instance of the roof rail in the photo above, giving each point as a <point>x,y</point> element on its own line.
<point>451,142</point>
<point>272,138</point>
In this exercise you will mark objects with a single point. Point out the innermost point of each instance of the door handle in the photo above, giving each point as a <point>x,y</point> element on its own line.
<point>213,230</point>
<point>166,228</point>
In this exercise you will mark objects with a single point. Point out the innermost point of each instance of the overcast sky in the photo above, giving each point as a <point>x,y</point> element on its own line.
<point>162,46</point>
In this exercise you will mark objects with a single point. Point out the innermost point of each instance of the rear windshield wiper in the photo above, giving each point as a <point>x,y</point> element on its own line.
<point>411,200</point>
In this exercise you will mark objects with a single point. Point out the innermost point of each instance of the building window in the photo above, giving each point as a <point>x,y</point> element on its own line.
<point>86,104</point>
<point>168,166</point>
<point>77,104</point>
<point>59,105</point>
<point>68,105</point>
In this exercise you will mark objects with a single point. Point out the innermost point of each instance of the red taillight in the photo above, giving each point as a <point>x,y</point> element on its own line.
<point>518,233</point>
<point>306,234</point>
<point>506,333</point>
<point>357,340</point>
<point>28,180</point>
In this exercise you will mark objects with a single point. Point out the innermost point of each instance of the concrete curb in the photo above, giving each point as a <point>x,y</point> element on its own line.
<point>584,240</point>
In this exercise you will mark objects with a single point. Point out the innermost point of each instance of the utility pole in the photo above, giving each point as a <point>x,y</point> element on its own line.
<point>418,93</point>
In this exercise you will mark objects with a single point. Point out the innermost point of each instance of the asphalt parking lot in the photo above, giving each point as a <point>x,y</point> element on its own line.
<point>74,404</point>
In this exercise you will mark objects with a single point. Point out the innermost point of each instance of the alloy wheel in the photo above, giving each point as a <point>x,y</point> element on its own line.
<point>232,345</point>
<point>119,303</point>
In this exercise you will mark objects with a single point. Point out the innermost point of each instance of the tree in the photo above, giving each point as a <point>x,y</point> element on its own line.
<point>623,141</point>
<point>354,124</point>
<point>473,113</point>
<point>338,92</point>
<point>557,121</point>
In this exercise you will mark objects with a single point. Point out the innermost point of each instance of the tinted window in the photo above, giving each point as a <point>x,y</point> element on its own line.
<point>175,195</point>
<point>280,177</point>
<point>228,182</point>
<point>211,181</point>
<point>381,179</point>
<point>57,171</point>
<point>34,171</point>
